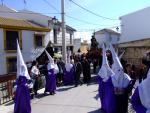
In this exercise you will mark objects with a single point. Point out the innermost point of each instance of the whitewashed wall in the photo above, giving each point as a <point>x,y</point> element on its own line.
<point>106,38</point>
<point>135,26</point>
<point>100,38</point>
<point>27,44</point>
<point>77,44</point>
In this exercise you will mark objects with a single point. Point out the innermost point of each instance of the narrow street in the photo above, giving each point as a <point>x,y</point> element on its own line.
<point>68,99</point>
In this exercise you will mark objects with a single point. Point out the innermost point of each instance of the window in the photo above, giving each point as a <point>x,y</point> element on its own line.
<point>39,40</point>
<point>71,39</point>
<point>10,37</point>
<point>11,64</point>
<point>55,36</point>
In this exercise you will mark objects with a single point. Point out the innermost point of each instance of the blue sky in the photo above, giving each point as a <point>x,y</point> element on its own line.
<point>107,8</point>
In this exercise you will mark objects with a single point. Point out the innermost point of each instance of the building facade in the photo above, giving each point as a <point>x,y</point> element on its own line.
<point>135,26</point>
<point>134,50</point>
<point>77,44</point>
<point>107,36</point>
<point>34,31</point>
<point>30,36</point>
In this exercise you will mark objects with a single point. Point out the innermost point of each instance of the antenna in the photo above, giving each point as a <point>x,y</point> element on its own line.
<point>25,3</point>
<point>2,1</point>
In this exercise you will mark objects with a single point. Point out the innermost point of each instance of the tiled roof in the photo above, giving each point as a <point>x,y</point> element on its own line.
<point>21,24</point>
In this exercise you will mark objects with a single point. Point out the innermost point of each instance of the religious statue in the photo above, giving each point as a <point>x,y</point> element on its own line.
<point>94,43</point>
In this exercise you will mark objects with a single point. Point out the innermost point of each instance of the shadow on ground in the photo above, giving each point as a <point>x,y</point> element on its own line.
<point>96,111</point>
<point>64,88</point>
<point>9,103</point>
<point>94,80</point>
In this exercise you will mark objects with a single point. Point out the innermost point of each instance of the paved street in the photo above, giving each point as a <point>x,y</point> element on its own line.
<point>68,99</point>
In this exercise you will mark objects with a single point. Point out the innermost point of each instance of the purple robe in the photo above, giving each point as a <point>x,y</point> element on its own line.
<point>136,102</point>
<point>50,81</point>
<point>68,77</point>
<point>107,97</point>
<point>22,96</point>
<point>122,99</point>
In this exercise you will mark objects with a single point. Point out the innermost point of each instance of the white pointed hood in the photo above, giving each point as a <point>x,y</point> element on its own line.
<point>105,71</point>
<point>21,66</point>
<point>51,61</point>
<point>144,92</point>
<point>120,80</point>
<point>68,65</point>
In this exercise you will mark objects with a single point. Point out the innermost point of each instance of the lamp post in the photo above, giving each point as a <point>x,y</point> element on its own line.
<point>54,22</point>
<point>63,31</point>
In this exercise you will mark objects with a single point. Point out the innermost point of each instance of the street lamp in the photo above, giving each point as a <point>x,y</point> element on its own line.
<point>54,22</point>
<point>117,28</point>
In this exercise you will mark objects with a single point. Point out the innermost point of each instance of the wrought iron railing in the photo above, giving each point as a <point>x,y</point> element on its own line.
<point>7,83</point>
<point>6,88</point>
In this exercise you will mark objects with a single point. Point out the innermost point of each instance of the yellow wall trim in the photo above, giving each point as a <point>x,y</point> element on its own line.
<point>26,28</point>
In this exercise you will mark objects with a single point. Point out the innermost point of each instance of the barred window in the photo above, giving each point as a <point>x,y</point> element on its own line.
<point>39,40</point>
<point>10,39</point>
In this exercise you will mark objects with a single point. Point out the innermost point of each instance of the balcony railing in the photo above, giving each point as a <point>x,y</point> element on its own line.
<point>6,87</point>
<point>7,83</point>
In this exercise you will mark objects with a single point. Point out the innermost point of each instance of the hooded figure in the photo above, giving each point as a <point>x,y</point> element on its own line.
<point>141,97</point>
<point>69,71</point>
<point>50,78</point>
<point>122,84</point>
<point>106,94</point>
<point>22,95</point>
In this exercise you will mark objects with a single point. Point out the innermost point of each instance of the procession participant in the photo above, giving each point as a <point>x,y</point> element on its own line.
<point>122,84</point>
<point>22,95</point>
<point>56,71</point>
<point>141,97</point>
<point>69,71</point>
<point>106,90</point>
<point>86,70</point>
<point>51,77</point>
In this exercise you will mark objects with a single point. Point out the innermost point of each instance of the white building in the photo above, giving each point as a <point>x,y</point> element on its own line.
<point>77,44</point>
<point>135,26</point>
<point>34,32</point>
<point>30,36</point>
<point>107,36</point>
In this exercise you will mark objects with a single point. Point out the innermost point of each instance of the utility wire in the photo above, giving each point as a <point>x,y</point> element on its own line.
<point>51,6</point>
<point>83,21</point>
<point>80,20</point>
<point>91,11</point>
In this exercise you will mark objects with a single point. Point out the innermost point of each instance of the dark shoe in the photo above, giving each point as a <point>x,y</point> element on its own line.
<point>76,86</point>
<point>51,93</point>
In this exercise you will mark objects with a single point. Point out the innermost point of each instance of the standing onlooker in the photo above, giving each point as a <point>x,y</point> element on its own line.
<point>60,74</point>
<point>143,72</point>
<point>86,70</point>
<point>34,75</point>
<point>95,63</point>
<point>78,70</point>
